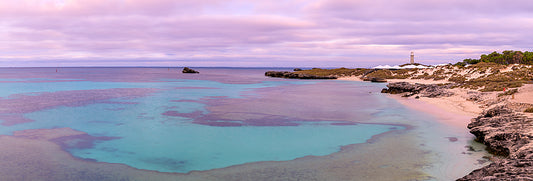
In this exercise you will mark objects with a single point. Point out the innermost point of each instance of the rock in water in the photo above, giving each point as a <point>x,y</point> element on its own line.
<point>376,79</point>
<point>292,75</point>
<point>297,69</point>
<point>188,70</point>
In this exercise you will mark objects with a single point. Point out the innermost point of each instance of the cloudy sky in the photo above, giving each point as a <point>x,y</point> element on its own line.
<point>314,33</point>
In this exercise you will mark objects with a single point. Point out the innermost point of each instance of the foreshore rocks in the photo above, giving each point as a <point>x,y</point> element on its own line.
<point>425,90</point>
<point>374,79</point>
<point>292,75</point>
<point>505,169</point>
<point>187,70</point>
<point>505,132</point>
<point>504,129</point>
<point>508,134</point>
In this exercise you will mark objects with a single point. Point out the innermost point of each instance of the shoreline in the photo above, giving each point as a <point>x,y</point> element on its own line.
<point>455,104</point>
<point>455,118</point>
<point>455,112</point>
<point>499,119</point>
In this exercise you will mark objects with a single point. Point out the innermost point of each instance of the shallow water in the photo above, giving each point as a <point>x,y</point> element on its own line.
<point>159,119</point>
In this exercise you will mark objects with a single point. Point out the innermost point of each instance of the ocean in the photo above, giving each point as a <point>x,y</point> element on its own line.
<point>233,121</point>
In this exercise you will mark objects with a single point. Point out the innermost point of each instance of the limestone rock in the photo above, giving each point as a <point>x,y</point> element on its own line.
<point>431,90</point>
<point>376,79</point>
<point>509,134</point>
<point>188,70</point>
<point>292,75</point>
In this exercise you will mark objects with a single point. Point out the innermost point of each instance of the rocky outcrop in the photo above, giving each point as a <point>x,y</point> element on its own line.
<point>425,90</point>
<point>374,79</point>
<point>504,129</point>
<point>292,75</point>
<point>509,134</point>
<point>402,87</point>
<point>504,169</point>
<point>190,71</point>
<point>505,132</point>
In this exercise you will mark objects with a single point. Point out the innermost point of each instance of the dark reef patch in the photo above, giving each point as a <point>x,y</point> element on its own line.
<point>452,139</point>
<point>344,123</point>
<point>170,163</point>
<point>81,141</point>
<point>13,108</point>
<point>193,115</point>
<point>196,88</point>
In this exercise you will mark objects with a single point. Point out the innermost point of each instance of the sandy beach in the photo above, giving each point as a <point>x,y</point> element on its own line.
<point>491,102</point>
<point>447,108</point>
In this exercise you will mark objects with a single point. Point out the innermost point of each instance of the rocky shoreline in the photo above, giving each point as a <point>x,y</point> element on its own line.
<point>508,133</point>
<point>503,128</point>
<point>293,75</point>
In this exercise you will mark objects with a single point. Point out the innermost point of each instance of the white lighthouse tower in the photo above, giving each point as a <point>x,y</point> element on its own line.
<point>412,57</point>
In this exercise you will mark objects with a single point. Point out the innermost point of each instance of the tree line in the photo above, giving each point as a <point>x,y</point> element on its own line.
<point>506,57</point>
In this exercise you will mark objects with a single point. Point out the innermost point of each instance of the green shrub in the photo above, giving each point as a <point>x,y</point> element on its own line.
<point>508,93</point>
<point>457,79</point>
<point>334,72</point>
<point>498,86</point>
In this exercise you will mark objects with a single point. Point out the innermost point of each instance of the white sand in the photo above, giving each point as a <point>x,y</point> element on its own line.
<point>441,109</point>
<point>458,103</point>
<point>524,94</point>
<point>451,109</point>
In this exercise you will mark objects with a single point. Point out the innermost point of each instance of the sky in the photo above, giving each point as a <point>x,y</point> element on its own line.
<point>253,33</point>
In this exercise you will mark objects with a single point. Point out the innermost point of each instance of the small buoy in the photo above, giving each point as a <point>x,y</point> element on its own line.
<point>56,70</point>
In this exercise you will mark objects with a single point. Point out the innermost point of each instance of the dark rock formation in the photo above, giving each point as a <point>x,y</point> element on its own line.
<point>292,75</point>
<point>504,132</point>
<point>509,134</point>
<point>425,90</point>
<point>505,169</point>
<point>375,79</point>
<point>401,87</point>
<point>297,69</point>
<point>188,70</point>
<point>518,107</point>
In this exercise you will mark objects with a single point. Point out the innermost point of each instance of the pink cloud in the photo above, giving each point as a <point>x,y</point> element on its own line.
<point>259,33</point>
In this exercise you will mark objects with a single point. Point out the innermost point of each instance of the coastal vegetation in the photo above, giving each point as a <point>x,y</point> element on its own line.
<point>508,93</point>
<point>505,58</point>
<point>492,72</point>
<point>339,72</point>
<point>502,126</point>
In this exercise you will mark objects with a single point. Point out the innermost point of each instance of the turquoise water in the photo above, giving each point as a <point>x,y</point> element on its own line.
<point>141,135</point>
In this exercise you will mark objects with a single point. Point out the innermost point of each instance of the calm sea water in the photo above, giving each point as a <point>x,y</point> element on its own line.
<point>160,119</point>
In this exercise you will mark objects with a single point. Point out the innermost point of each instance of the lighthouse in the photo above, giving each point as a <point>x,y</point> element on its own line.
<point>412,57</point>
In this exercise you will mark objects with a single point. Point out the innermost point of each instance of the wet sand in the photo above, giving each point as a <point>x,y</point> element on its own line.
<point>457,118</point>
<point>449,161</point>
